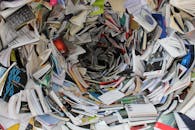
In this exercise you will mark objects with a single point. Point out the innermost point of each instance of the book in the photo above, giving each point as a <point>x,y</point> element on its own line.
<point>44,69</point>
<point>20,17</point>
<point>107,99</point>
<point>8,35</point>
<point>146,20</point>
<point>16,81</point>
<point>5,57</point>
<point>175,49</point>
<point>79,77</point>
<point>136,99</point>
<point>34,102</point>
<point>39,93</point>
<point>167,122</point>
<point>134,6</point>
<point>47,120</point>
<point>141,110</point>
<point>25,36</point>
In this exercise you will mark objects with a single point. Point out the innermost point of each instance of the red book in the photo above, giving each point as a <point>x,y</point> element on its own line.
<point>162,126</point>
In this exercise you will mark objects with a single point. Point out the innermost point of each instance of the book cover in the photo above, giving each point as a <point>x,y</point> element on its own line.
<point>15,82</point>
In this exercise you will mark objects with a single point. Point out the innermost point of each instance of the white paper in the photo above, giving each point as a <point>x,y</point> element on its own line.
<point>134,6</point>
<point>185,81</point>
<point>5,57</point>
<point>4,109</point>
<point>7,33</point>
<point>38,74</point>
<point>103,126</point>
<point>190,35</point>
<point>173,46</point>
<point>74,127</point>
<point>7,12</point>
<point>111,96</point>
<point>14,105</point>
<point>138,66</point>
<point>186,5</point>
<point>191,112</point>
<point>12,4</point>
<point>79,19</point>
<point>6,122</point>
<point>180,123</point>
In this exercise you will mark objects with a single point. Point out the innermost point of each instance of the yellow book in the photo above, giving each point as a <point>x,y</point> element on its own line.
<point>14,127</point>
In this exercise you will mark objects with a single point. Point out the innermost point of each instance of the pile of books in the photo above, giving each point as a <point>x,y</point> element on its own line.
<point>97,64</point>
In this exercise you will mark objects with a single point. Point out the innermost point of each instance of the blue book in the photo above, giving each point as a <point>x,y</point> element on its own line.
<point>16,81</point>
<point>161,22</point>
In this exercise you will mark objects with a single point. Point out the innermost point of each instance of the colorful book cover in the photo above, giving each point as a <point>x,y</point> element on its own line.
<point>166,122</point>
<point>15,82</point>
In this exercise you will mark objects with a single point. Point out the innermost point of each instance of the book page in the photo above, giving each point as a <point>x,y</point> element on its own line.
<point>24,37</point>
